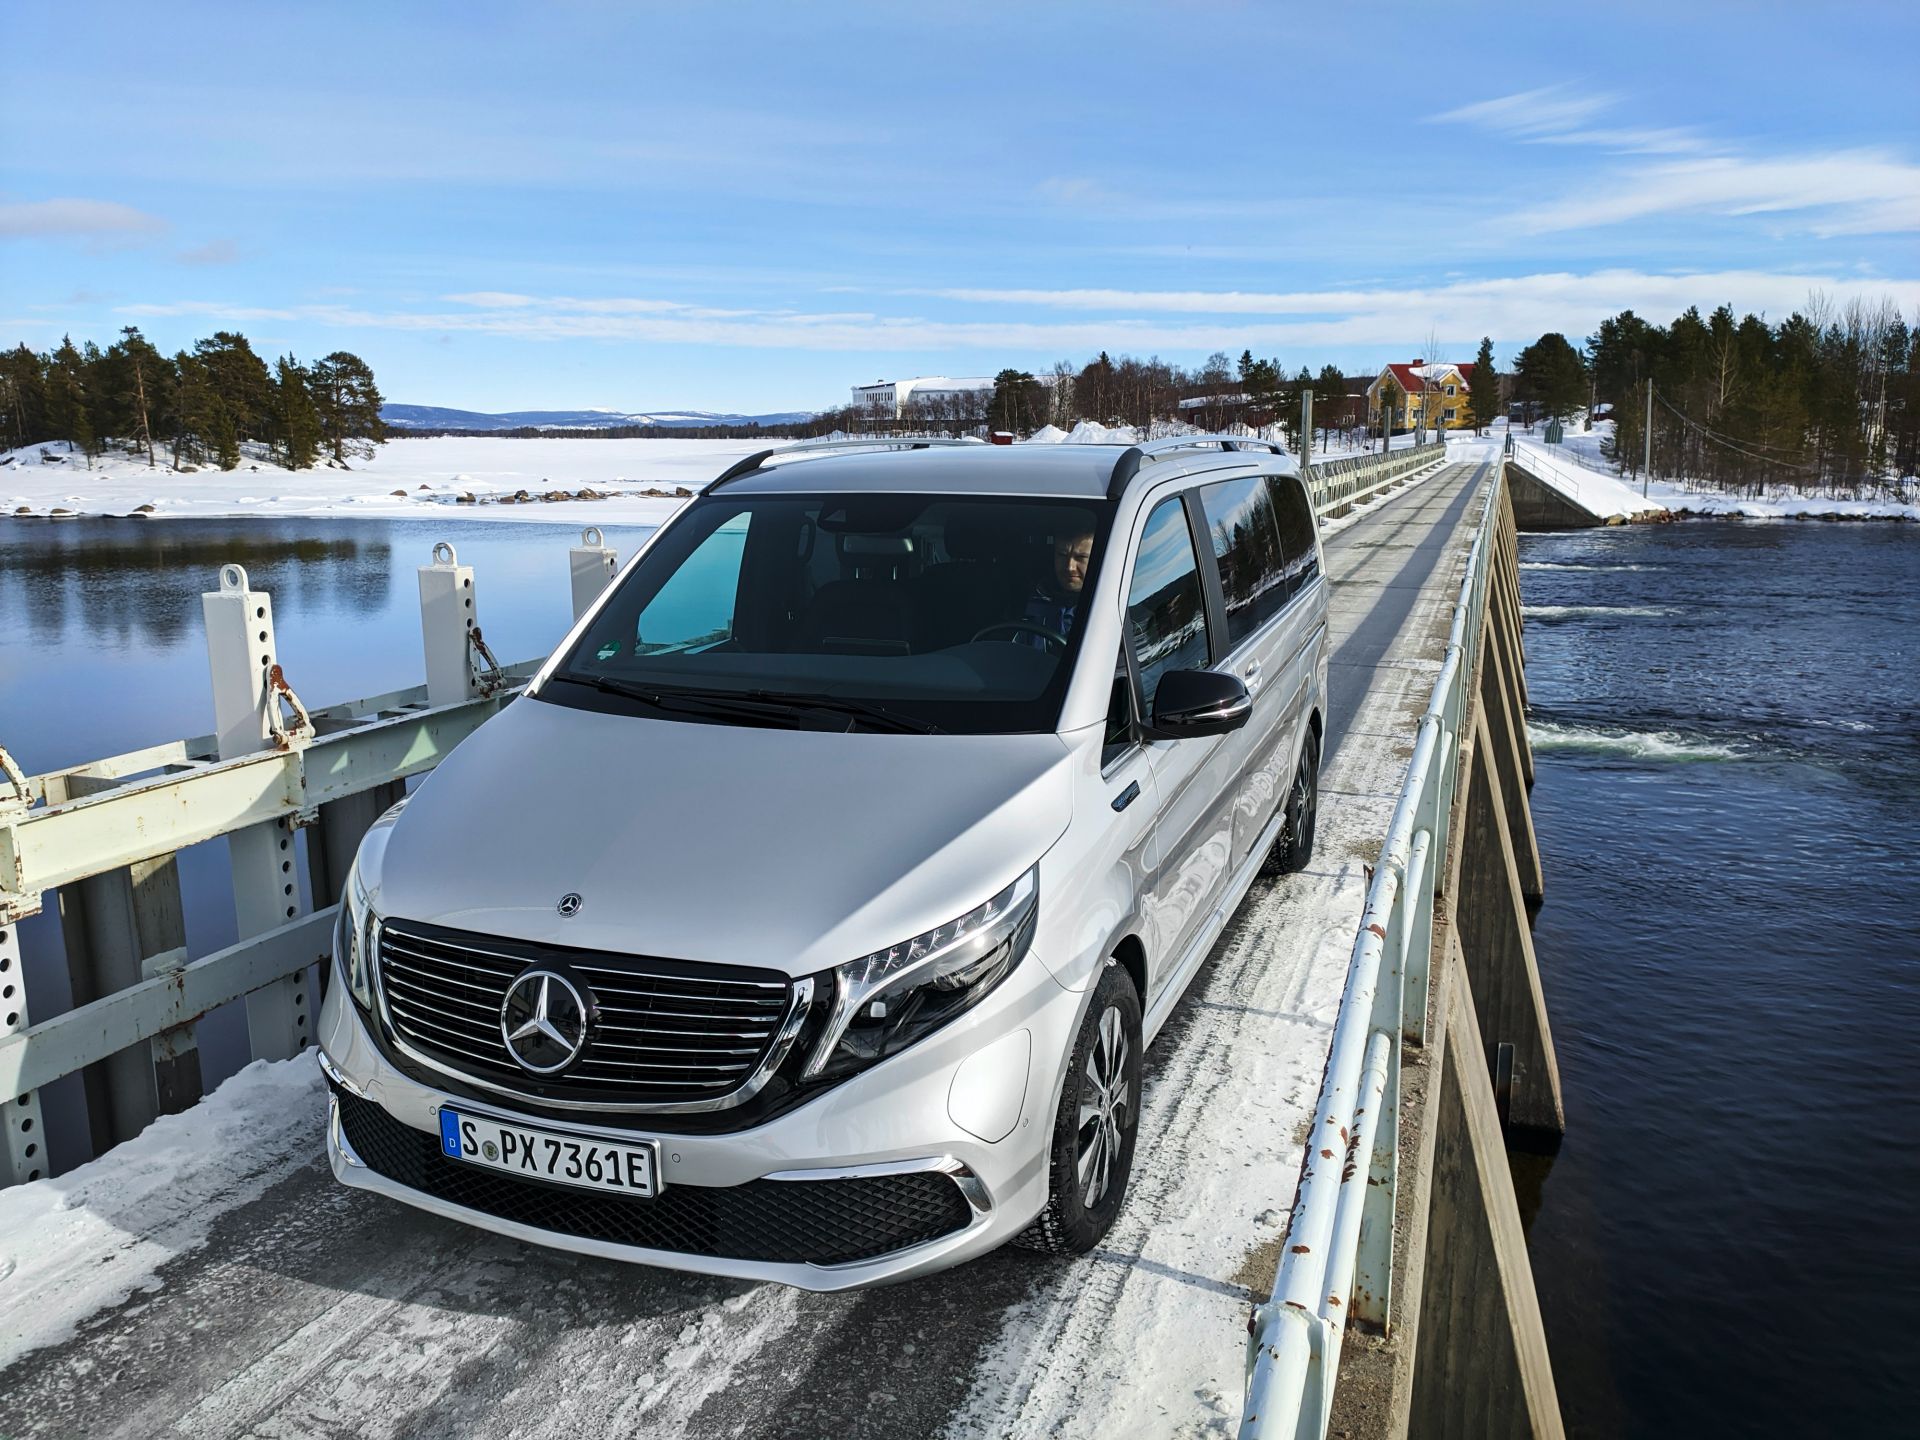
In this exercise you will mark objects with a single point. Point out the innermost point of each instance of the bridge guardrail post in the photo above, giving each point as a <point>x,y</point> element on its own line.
<point>266,890</point>
<point>592,563</point>
<point>447,622</point>
<point>23,1148</point>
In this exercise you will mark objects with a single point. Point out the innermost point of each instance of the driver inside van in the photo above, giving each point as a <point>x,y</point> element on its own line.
<point>1056,600</point>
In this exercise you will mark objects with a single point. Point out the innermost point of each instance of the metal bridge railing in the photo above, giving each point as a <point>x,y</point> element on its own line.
<point>1339,485</point>
<point>1537,462</point>
<point>103,835</point>
<point>1338,1260</point>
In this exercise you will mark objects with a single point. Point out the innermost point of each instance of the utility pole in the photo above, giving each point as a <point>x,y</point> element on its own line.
<point>1646,474</point>
<point>1306,433</point>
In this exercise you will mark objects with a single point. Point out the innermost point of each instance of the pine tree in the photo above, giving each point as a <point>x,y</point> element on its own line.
<point>296,417</point>
<point>1329,399</point>
<point>1018,403</point>
<point>1552,373</point>
<point>348,402</point>
<point>68,399</point>
<point>240,379</point>
<point>142,382</point>
<point>25,404</point>
<point>1483,388</point>
<point>1389,396</point>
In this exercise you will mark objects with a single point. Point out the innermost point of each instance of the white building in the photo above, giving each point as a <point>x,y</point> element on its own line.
<point>890,397</point>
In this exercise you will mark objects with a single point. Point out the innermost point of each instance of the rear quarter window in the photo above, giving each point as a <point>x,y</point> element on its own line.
<point>1297,531</point>
<point>1246,548</point>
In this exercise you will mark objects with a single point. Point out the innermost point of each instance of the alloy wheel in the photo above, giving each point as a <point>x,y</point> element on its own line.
<point>1106,1107</point>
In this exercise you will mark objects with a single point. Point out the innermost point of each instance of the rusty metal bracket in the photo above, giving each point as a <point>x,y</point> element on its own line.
<point>280,695</point>
<point>22,793</point>
<point>488,675</point>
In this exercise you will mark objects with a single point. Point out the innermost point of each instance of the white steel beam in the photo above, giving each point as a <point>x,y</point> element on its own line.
<point>35,1057</point>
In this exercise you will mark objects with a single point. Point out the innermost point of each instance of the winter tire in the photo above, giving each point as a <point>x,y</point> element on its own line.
<point>1098,1121</point>
<point>1295,850</point>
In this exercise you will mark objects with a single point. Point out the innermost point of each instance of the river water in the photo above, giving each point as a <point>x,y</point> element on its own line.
<point>1726,724</point>
<point>1726,729</point>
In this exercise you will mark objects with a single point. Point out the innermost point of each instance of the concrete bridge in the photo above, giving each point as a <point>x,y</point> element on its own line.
<point>207,1277</point>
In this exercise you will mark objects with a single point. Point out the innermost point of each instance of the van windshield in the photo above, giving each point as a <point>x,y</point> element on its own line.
<point>956,613</point>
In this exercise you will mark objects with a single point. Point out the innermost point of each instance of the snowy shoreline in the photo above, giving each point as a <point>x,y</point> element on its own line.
<point>595,482</point>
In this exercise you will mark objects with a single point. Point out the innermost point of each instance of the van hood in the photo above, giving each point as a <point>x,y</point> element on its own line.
<point>792,850</point>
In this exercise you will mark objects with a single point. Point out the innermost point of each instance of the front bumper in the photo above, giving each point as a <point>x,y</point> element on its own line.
<point>879,1160</point>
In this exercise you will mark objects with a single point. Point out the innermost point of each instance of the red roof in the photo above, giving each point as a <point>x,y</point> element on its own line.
<point>1411,383</point>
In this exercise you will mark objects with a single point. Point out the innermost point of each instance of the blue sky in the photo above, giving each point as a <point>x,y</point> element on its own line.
<point>745,207</point>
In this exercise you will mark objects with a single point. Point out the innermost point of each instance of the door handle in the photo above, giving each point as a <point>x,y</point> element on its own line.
<point>1252,676</point>
<point>1127,796</point>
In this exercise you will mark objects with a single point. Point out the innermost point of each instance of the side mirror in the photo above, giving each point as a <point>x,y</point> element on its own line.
<point>1198,702</point>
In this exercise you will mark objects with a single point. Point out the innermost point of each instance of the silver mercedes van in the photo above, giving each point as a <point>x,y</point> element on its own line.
<point>807,917</point>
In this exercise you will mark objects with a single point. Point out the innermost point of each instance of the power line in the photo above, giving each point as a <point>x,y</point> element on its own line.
<point>1733,445</point>
<point>1727,439</point>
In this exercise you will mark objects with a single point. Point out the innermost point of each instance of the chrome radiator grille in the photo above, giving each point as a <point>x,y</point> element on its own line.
<point>669,1034</point>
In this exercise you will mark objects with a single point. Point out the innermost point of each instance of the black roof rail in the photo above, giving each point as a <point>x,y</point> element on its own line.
<point>1130,461</point>
<point>740,467</point>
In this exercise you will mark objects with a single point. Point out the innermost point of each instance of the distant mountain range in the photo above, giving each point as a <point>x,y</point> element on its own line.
<point>435,417</point>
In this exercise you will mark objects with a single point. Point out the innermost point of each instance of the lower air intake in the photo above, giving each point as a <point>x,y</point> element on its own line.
<point>821,1222</point>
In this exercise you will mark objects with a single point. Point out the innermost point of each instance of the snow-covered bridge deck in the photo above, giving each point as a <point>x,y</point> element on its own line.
<point>209,1278</point>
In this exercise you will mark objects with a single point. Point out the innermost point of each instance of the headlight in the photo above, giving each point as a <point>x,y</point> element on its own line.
<point>357,932</point>
<point>355,937</point>
<point>885,1001</point>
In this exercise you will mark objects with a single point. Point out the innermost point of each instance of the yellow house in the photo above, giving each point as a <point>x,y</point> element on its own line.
<point>1439,388</point>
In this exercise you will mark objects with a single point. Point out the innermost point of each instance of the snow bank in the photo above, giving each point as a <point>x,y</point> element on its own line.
<point>1784,505</point>
<point>1594,491</point>
<point>1047,435</point>
<point>1092,432</point>
<point>1588,448</point>
<point>81,1242</point>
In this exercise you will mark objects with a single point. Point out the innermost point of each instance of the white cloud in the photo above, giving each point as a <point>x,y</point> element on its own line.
<point>1549,110</point>
<point>214,252</point>
<point>1841,192</point>
<point>1171,322</point>
<point>94,219</point>
<point>1847,192</point>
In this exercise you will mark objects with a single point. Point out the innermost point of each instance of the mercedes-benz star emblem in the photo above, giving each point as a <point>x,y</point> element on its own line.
<point>570,903</point>
<point>545,1020</point>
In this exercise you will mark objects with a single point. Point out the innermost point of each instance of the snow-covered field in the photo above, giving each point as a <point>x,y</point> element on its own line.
<point>634,482</point>
<point>405,477</point>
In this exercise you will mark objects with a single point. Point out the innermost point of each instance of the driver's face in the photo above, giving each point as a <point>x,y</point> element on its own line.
<point>1070,556</point>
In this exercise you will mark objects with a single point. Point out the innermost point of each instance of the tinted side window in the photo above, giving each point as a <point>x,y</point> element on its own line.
<point>1166,615</point>
<point>1246,546</point>
<point>1296,531</point>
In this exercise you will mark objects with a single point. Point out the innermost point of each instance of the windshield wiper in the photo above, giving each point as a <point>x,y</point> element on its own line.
<point>857,709</point>
<point>756,705</point>
<point>714,704</point>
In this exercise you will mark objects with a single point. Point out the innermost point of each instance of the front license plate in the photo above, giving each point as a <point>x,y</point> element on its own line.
<point>543,1155</point>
